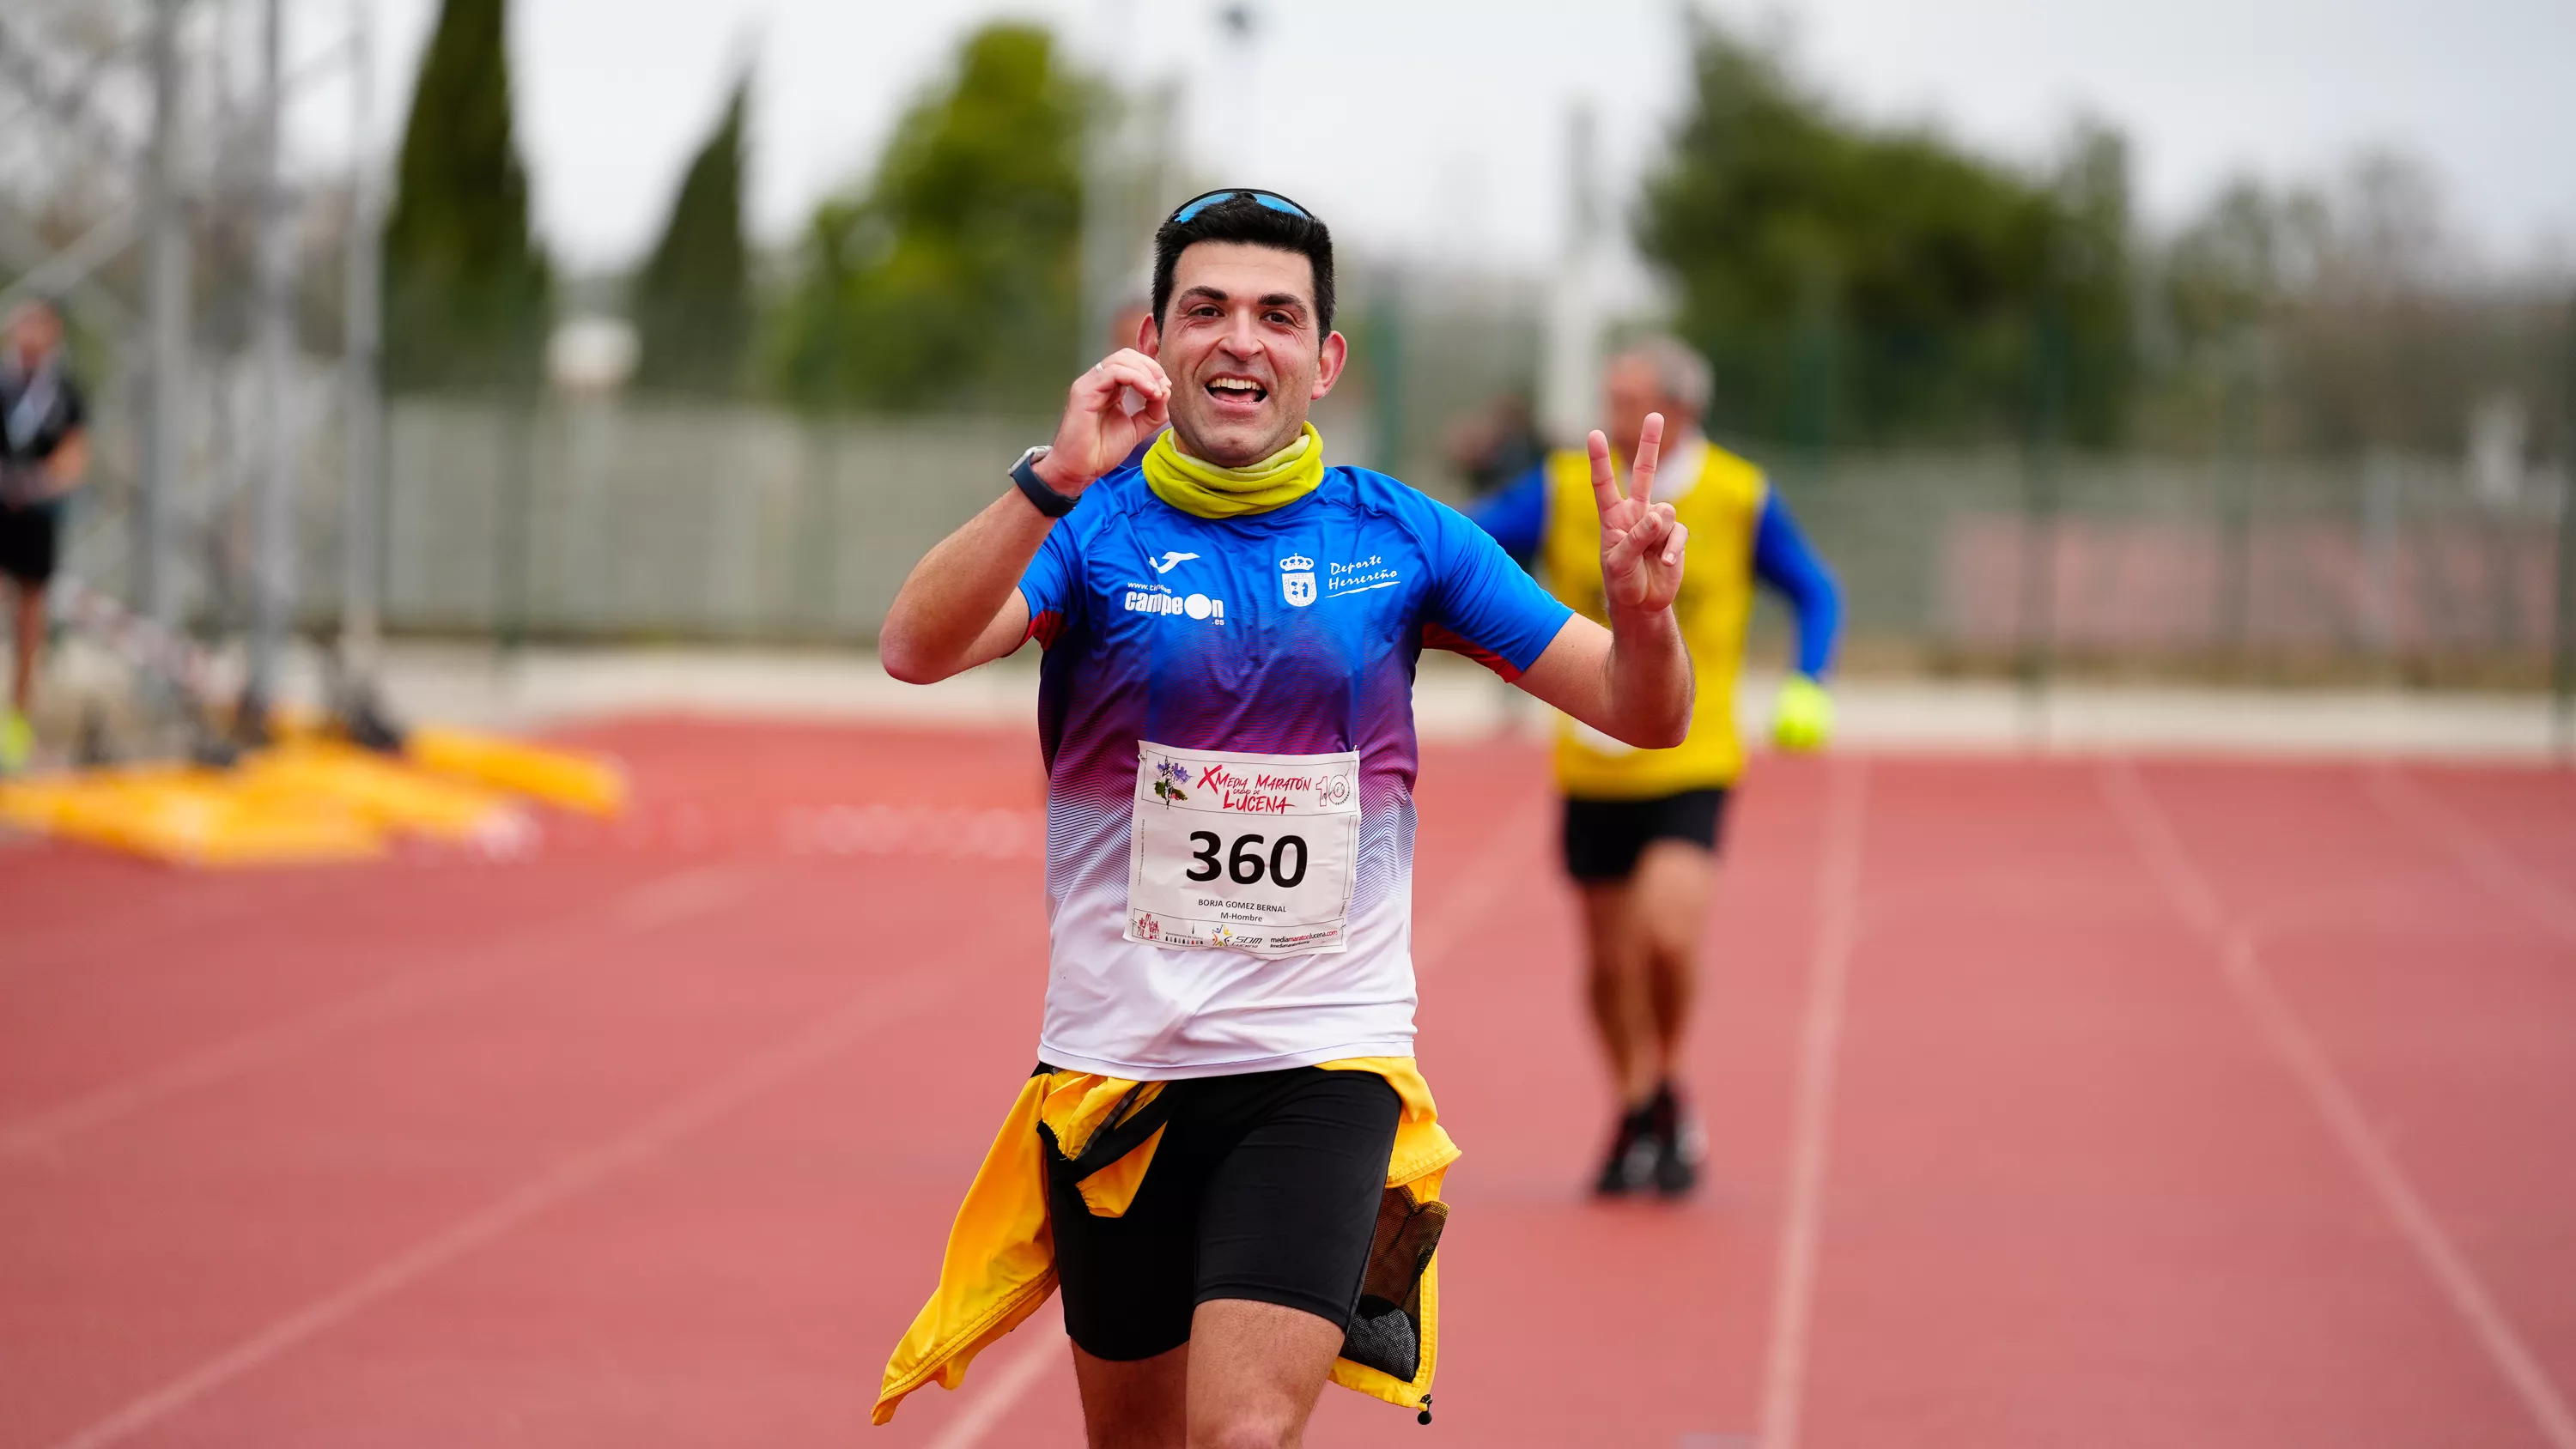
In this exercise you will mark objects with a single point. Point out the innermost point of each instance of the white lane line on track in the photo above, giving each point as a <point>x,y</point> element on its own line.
<point>650,906</point>
<point>1010,1383</point>
<point>1793,1281</point>
<point>865,1012</point>
<point>2197,902</point>
<point>2470,849</point>
<point>1437,938</point>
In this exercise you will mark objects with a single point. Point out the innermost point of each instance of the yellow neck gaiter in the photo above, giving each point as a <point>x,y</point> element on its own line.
<point>1209,491</point>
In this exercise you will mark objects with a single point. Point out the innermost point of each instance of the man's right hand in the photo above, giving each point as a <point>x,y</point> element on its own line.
<point>1097,432</point>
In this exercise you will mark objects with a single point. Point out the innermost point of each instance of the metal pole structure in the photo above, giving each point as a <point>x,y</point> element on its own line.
<point>166,309</point>
<point>1570,367</point>
<point>360,551</point>
<point>2241,419</point>
<point>2040,522</point>
<point>1386,369</point>
<point>272,553</point>
<point>2562,663</point>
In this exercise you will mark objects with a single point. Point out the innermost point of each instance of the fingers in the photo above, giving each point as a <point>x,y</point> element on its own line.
<point>1605,480</point>
<point>1643,564</point>
<point>1650,451</point>
<point>1125,368</point>
<point>1642,540</point>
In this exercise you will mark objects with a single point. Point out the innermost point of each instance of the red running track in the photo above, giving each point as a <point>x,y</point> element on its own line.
<point>2056,1103</point>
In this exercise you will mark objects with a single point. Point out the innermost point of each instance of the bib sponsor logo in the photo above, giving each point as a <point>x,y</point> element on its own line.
<point>1171,559</point>
<point>1297,580</point>
<point>1162,601</point>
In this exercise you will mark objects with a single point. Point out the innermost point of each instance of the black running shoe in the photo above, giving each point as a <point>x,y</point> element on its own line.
<point>1633,1153</point>
<point>1679,1143</point>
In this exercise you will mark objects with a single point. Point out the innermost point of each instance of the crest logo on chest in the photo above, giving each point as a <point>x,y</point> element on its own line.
<point>1297,580</point>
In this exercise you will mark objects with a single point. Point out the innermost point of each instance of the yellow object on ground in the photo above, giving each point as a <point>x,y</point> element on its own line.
<point>1000,1263</point>
<point>382,790</point>
<point>192,816</point>
<point>315,797</point>
<point>1802,719</point>
<point>556,777</point>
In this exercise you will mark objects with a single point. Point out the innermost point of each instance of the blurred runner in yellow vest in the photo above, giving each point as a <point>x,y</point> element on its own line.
<point>1641,826</point>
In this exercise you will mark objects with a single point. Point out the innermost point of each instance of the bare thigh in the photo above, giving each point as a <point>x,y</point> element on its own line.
<point>1247,1379</point>
<point>1133,1404</point>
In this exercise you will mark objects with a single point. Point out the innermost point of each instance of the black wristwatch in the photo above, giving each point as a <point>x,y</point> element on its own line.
<point>1046,500</point>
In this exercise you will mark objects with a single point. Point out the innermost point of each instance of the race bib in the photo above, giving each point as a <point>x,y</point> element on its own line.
<point>1254,853</point>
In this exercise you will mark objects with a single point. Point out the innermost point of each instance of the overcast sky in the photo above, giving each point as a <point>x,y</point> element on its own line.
<point>1437,130</point>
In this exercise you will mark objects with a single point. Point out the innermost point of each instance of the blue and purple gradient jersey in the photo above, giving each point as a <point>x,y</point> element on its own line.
<point>1288,632</point>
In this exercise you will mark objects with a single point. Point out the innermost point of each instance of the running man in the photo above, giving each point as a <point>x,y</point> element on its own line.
<point>1226,713</point>
<point>44,452</point>
<point>1641,825</point>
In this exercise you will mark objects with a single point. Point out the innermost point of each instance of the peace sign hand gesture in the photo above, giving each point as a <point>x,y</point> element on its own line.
<point>1641,541</point>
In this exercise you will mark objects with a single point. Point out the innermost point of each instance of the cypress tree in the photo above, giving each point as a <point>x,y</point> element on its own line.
<point>692,302</point>
<point>465,286</point>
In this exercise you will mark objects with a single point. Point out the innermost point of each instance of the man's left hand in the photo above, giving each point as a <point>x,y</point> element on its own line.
<point>1803,720</point>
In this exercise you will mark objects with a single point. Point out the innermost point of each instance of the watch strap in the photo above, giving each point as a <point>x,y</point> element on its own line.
<point>1045,499</point>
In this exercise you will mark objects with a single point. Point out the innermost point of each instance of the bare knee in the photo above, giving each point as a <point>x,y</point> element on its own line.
<point>1673,882</point>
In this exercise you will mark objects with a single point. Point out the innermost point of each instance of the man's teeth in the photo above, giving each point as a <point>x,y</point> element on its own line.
<point>1231,384</point>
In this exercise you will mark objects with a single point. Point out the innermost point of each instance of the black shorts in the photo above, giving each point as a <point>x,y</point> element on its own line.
<point>27,542</point>
<point>1603,838</point>
<point>1266,1187</point>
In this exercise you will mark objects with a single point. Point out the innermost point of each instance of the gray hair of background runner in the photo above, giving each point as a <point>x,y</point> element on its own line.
<point>1681,374</point>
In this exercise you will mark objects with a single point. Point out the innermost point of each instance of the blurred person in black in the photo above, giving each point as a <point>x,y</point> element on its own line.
<point>1498,445</point>
<point>44,453</point>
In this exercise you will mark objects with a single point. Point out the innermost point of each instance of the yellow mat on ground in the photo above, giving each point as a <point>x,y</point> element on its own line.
<point>192,816</point>
<point>562,778</point>
<point>312,799</point>
<point>384,791</point>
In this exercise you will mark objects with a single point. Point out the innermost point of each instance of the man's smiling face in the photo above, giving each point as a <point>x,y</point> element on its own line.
<point>1239,342</point>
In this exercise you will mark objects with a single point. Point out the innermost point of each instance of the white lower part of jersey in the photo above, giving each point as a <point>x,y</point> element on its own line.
<point>1124,1008</point>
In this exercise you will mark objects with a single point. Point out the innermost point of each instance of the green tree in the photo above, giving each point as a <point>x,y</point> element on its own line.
<point>1850,283</point>
<point>952,281</point>
<point>692,301</point>
<point>466,289</point>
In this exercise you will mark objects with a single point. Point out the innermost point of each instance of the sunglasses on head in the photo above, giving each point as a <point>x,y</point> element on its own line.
<point>1272,199</point>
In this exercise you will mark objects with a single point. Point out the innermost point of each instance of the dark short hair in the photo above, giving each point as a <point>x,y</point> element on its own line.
<point>1241,219</point>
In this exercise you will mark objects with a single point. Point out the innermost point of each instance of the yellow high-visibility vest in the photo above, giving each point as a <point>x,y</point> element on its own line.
<point>1722,511</point>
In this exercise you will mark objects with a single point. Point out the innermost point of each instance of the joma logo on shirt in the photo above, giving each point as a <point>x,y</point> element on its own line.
<point>1154,601</point>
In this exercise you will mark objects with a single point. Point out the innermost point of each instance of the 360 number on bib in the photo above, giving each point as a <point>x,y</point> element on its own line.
<point>1254,853</point>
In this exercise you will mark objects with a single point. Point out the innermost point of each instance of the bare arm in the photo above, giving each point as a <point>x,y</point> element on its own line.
<point>1631,681</point>
<point>961,605</point>
<point>68,465</point>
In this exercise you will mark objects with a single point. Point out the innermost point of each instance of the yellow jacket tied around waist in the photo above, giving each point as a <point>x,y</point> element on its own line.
<point>1000,1263</point>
